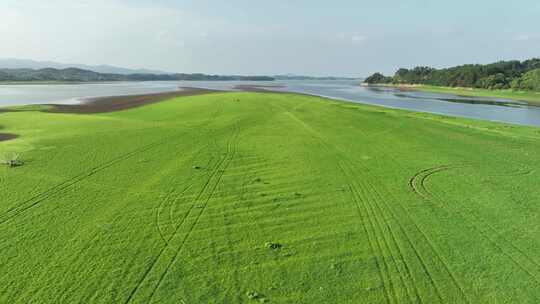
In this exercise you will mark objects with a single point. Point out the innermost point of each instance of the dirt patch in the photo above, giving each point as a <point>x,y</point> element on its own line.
<point>269,89</point>
<point>260,88</point>
<point>119,103</point>
<point>124,102</point>
<point>7,136</point>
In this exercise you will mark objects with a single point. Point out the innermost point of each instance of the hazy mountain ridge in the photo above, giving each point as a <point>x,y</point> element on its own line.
<point>14,63</point>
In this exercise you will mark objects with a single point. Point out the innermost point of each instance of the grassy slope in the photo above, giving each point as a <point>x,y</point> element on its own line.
<point>530,97</point>
<point>371,205</point>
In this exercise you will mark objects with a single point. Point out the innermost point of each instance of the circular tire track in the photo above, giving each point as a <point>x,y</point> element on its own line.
<point>418,185</point>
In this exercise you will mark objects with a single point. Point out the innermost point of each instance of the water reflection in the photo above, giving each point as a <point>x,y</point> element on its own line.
<point>468,100</point>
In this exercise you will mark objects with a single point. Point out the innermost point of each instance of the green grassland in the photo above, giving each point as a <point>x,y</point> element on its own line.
<point>530,97</point>
<point>278,198</point>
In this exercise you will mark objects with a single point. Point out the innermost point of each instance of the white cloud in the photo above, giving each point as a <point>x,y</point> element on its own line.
<point>354,38</point>
<point>527,37</point>
<point>358,38</point>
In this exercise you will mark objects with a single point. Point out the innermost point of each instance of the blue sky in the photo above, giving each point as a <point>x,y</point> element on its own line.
<point>350,38</point>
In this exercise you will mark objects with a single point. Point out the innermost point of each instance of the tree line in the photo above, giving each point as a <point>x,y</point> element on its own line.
<point>516,75</point>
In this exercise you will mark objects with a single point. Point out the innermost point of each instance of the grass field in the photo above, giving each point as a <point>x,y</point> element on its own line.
<point>278,198</point>
<point>532,98</point>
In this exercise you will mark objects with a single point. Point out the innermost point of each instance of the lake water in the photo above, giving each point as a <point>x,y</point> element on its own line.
<point>447,104</point>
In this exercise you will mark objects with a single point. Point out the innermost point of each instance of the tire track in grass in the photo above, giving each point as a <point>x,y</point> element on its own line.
<point>31,297</point>
<point>177,197</point>
<point>173,197</point>
<point>157,217</point>
<point>87,246</point>
<point>388,293</point>
<point>384,276</point>
<point>391,293</point>
<point>437,254</point>
<point>231,152</point>
<point>408,240</point>
<point>421,260</point>
<point>417,185</point>
<point>417,181</point>
<point>423,264</point>
<point>187,187</point>
<point>416,252</point>
<point>215,148</point>
<point>430,196</point>
<point>392,237</point>
<point>177,227</point>
<point>247,179</point>
<point>216,172</point>
<point>374,223</point>
<point>417,189</point>
<point>167,242</point>
<point>420,188</point>
<point>522,170</point>
<point>41,197</point>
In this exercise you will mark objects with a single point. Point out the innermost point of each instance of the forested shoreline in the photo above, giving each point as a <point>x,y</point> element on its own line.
<point>516,75</point>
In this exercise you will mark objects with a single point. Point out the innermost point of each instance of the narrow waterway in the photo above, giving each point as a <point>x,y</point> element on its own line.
<point>480,108</point>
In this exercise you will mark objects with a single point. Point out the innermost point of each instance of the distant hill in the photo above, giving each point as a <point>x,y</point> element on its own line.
<point>13,63</point>
<point>51,74</point>
<point>81,75</point>
<point>302,77</point>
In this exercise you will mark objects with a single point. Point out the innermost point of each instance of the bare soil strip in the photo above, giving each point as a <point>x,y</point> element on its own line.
<point>124,102</point>
<point>259,88</point>
<point>7,136</point>
<point>119,103</point>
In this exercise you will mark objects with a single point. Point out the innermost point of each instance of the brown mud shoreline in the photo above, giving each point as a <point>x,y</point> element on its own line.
<point>7,136</point>
<point>259,88</point>
<point>123,102</point>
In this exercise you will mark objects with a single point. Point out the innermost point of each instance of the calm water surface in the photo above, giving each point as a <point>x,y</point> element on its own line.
<point>447,104</point>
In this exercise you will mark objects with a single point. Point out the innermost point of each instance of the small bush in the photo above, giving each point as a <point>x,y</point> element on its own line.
<point>274,246</point>
<point>253,295</point>
<point>12,161</point>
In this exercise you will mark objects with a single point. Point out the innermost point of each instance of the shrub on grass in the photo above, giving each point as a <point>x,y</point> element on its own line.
<point>273,246</point>
<point>12,161</point>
